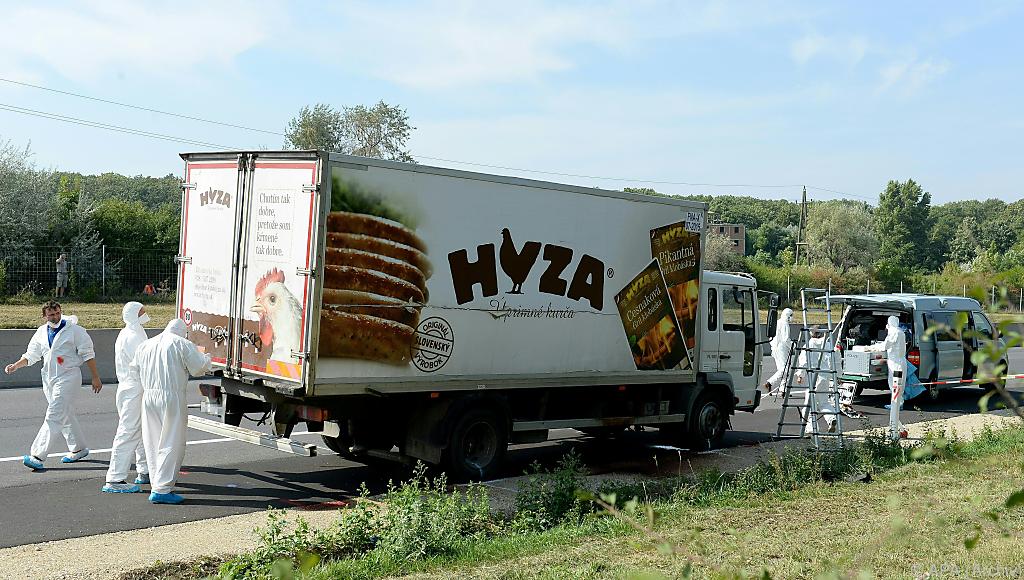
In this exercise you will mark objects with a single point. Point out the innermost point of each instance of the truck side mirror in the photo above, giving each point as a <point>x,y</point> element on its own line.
<point>773,302</point>
<point>773,320</point>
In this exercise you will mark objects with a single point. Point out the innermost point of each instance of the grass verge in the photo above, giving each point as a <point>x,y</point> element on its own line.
<point>90,314</point>
<point>939,507</point>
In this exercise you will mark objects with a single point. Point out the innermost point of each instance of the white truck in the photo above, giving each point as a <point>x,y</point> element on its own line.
<point>442,315</point>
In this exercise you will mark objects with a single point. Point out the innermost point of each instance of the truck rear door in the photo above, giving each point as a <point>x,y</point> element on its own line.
<point>209,215</point>
<point>275,307</point>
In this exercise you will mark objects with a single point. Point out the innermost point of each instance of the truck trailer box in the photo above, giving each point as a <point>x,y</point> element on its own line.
<point>330,275</point>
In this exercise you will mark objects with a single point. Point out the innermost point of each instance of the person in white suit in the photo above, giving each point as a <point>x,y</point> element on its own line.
<point>128,439</point>
<point>782,345</point>
<point>63,346</point>
<point>895,348</point>
<point>163,364</point>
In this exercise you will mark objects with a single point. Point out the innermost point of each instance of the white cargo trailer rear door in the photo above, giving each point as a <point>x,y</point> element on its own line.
<point>209,215</point>
<point>275,311</point>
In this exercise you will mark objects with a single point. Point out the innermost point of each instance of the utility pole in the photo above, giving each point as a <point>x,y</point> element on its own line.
<point>800,234</point>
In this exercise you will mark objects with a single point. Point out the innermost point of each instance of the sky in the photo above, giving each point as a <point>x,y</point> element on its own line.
<point>731,96</point>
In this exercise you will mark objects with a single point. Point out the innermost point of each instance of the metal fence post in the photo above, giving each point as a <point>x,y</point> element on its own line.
<point>103,270</point>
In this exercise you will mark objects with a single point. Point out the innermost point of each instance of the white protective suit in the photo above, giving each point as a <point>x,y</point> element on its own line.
<point>128,439</point>
<point>818,396</point>
<point>895,348</point>
<point>162,364</point>
<point>782,345</point>
<point>62,379</point>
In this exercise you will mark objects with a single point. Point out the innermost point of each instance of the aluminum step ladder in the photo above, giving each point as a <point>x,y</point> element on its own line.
<point>813,364</point>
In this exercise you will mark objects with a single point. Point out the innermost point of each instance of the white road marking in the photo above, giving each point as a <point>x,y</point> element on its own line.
<point>104,451</point>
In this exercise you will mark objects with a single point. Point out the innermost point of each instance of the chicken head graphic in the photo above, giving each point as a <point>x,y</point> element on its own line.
<point>280,316</point>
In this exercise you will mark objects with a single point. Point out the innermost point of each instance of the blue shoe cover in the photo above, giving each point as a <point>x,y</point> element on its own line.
<point>142,479</point>
<point>120,488</point>
<point>168,498</point>
<point>32,463</point>
<point>77,455</point>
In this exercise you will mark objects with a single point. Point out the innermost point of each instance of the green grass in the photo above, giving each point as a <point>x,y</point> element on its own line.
<point>90,314</point>
<point>795,515</point>
<point>906,521</point>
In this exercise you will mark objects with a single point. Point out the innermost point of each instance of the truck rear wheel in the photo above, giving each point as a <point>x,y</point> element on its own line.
<point>477,444</point>
<point>709,419</point>
<point>336,445</point>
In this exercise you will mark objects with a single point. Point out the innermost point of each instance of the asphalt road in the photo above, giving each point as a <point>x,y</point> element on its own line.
<point>223,477</point>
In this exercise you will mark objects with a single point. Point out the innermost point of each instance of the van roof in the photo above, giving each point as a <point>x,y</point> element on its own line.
<point>908,301</point>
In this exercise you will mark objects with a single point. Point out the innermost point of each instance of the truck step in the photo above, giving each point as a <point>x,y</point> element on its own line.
<point>251,436</point>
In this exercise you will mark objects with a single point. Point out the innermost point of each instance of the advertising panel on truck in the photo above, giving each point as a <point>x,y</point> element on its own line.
<point>434,274</point>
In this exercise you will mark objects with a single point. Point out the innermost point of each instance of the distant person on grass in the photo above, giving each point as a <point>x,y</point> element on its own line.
<point>64,347</point>
<point>62,276</point>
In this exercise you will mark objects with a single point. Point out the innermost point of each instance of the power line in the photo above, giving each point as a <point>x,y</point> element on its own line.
<point>140,132</point>
<point>108,127</point>
<point>140,108</point>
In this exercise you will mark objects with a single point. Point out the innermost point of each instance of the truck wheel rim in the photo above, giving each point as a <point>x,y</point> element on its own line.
<point>480,445</point>
<point>710,421</point>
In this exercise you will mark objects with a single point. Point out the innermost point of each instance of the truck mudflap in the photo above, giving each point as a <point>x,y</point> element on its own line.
<point>252,436</point>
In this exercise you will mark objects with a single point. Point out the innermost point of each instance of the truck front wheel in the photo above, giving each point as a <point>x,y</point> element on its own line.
<point>708,422</point>
<point>477,444</point>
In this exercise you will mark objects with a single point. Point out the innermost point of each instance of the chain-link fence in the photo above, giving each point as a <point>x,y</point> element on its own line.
<point>106,273</point>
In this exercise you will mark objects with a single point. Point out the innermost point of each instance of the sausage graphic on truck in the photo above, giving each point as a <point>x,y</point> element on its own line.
<point>450,314</point>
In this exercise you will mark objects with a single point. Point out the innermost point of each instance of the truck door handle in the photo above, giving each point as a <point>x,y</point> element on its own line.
<point>725,356</point>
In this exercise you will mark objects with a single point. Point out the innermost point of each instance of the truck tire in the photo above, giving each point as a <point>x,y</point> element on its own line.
<point>477,443</point>
<point>709,419</point>
<point>336,445</point>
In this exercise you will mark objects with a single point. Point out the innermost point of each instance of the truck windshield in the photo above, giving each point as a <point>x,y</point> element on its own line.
<point>738,316</point>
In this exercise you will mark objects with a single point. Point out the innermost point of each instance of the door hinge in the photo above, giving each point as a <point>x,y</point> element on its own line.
<point>299,355</point>
<point>182,259</point>
<point>310,189</point>
<point>304,272</point>
<point>189,185</point>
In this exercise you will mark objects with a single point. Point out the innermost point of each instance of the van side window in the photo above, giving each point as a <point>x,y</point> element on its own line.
<point>942,322</point>
<point>712,309</point>
<point>982,325</point>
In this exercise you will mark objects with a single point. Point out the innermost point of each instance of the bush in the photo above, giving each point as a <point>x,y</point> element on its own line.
<point>548,497</point>
<point>414,520</point>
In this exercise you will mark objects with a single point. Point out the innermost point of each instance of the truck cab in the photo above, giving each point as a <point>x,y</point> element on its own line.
<point>731,335</point>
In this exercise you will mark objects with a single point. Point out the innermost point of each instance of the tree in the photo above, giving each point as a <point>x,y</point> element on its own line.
<point>24,194</point>
<point>902,223</point>
<point>770,239</point>
<point>840,234</point>
<point>719,254</point>
<point>963,248</point>
<point>380,131</point>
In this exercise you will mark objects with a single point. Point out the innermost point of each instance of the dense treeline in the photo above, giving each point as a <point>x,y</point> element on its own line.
<point>903,242</point>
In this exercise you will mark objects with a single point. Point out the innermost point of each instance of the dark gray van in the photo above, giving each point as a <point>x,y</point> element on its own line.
<point>941,357</point>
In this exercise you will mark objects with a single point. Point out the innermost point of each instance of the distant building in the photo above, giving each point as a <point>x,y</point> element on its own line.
<point>735,232</point>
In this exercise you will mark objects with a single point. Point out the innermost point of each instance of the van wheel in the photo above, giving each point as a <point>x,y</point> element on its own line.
<point>477,444</point>
<point>991,386</point>
<point>709,419</point>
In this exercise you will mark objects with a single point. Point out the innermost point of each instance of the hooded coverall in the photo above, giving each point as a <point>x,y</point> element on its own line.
<point>895,348</point>
<point>163,364</point>
<point>782,345</point>
<point>62,379</point>
<point>128,439</point>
